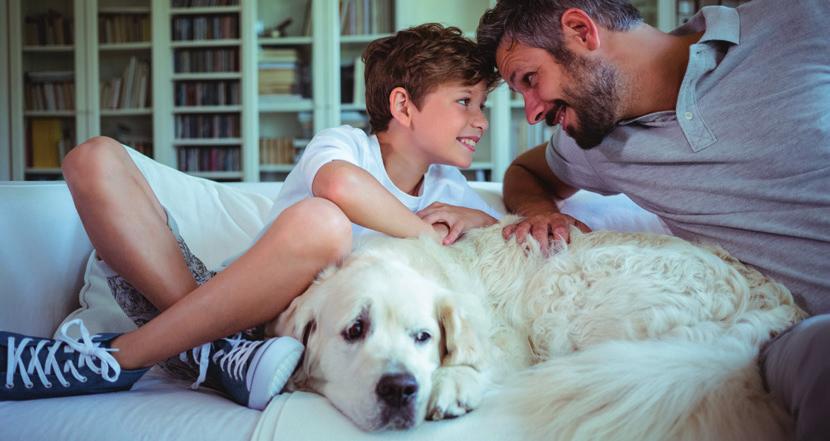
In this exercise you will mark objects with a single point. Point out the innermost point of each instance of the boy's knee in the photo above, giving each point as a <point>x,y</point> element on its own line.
<point>325,223</point>
<point>90,160</point>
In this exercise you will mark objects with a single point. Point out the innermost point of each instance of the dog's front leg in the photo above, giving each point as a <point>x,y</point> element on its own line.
<point>456,390</point>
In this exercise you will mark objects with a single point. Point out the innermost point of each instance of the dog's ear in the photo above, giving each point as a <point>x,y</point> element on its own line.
<point>299,321</point>
<point>462,343</point>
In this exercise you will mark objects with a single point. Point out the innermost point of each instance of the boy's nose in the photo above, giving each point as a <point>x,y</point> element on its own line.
<point>480,121</point>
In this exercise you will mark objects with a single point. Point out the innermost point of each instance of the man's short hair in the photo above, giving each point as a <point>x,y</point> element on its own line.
<point>536,23</point>
<point>419,59</point>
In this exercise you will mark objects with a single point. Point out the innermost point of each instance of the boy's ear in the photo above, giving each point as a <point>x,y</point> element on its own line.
<point>400,106</point>
<point>580,30</point>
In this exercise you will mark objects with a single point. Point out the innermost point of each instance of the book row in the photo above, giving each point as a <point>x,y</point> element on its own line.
<point>191,159</point>
<point>277,151</point>
<point>207,126</point>
<point>129,28</point>
<point>206,27</point>
<point>48,141</point>
<point>365,17</point>
<point>129,91</point>
<point>207,93</point>
<point>206,60</point>
<point>51,28</point>
<point>50,91</point>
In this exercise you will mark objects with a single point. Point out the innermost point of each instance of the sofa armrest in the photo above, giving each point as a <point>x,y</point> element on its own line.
<point>44,251</point>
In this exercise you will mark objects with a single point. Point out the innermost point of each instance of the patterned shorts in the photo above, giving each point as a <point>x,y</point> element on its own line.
<point>141,311</point>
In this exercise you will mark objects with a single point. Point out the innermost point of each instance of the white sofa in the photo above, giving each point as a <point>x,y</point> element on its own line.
<point>44,251</point>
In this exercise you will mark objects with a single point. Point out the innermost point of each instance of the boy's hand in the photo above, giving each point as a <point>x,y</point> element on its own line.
<point>459,219</point>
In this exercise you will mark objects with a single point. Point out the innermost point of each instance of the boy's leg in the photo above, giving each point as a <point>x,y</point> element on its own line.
<point>254,289</point>
<point>796,369</point>
<point>125,222</point>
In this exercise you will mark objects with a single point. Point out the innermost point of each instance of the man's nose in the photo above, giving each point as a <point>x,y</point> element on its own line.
<point>534,110</point>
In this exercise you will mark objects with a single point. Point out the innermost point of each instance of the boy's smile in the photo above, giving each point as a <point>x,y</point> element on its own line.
<point>450,123</point>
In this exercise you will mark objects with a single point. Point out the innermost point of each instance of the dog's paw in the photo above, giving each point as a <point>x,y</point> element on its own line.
<point>456,390</point>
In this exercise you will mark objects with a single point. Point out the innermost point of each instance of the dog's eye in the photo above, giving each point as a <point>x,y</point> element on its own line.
<point>422,337</point>
<point>355,331</point>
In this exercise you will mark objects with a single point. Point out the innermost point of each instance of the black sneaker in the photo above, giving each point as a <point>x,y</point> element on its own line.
<point>250,372</point>
<point>36,367</point>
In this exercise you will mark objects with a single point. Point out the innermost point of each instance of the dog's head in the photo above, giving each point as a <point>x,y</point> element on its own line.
<point>375,330</point>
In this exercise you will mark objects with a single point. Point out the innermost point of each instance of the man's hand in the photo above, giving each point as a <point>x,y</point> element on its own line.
<point>544,228</point>
<point>459,219</point>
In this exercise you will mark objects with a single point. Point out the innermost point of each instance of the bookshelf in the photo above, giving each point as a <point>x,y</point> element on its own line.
<point>5,105</point>
<point>119,87</point>
<point>240,83</point>
<point>45,98</point>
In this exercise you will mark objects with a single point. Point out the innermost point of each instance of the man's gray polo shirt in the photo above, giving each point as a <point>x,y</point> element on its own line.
<point>744,159</point>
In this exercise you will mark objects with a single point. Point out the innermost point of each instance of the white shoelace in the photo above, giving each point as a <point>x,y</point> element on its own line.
<point>233,361</point>
<point>88,351</point>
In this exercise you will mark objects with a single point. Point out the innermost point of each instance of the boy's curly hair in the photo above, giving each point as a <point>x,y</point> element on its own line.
<point>419,59</point>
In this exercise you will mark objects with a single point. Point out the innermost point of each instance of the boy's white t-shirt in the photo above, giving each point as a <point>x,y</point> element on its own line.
<point>442,183</point>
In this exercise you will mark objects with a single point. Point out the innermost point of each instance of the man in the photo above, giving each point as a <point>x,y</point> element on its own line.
<point>721,128</point>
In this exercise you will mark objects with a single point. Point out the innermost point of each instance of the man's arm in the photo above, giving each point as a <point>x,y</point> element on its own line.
<point>531,190</point>
<point>365,201</point>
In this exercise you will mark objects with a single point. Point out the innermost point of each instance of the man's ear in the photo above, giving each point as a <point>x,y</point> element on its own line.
<point>461,343</point>
<point>401,106</point>
<point>580,32</point>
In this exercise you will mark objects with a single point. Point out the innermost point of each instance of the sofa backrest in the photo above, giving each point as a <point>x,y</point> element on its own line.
<point>44,248</point>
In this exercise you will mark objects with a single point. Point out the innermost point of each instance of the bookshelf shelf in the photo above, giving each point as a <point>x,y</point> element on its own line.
<point>205,10</point>
<point>127,112</point>
<point>205,43</point>
<point>207,109</point>
<point>199,142</point>
<point>286,106</point>
<point>284,41</point>
<point>217,174</point>
<point>140,45</point>
<point>124,10</point>
<point>361,39</point>
<point>49,48</point>
<point>41,171</point>
<point>207,76</point>
<point>352,107</point>
<point>49,113</point>
<point>276,168</point>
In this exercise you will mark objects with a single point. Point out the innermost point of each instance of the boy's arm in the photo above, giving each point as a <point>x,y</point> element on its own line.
<point>366,202</point>
<point>530,190</point>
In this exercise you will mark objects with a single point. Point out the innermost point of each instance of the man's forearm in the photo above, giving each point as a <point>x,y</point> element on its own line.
<point>526,195</point>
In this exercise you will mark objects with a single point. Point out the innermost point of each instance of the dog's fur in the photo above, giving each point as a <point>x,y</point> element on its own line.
<point>626,336</point>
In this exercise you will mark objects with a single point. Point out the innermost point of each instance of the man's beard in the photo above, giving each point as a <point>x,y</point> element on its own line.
<point>594,99</point>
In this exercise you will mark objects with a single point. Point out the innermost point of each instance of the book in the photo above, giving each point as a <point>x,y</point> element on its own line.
<point>46,136</point>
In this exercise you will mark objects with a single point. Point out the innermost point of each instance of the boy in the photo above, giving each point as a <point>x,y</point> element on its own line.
<point>425,90</point>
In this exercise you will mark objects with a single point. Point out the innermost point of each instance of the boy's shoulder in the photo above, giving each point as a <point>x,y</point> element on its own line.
<point>344,131</point>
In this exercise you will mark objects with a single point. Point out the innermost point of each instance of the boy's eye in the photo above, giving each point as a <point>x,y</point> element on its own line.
<point>464,102</point>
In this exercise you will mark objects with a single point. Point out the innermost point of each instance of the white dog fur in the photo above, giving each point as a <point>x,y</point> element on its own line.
<point>617,336</point>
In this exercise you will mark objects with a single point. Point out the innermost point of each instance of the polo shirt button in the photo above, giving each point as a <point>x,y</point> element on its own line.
<point>688,115</point>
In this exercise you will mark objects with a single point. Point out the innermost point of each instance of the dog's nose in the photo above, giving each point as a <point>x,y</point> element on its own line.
<point>397,390</point>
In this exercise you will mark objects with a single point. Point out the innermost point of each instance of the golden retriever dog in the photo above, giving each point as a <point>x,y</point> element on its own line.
<point>615,336</point>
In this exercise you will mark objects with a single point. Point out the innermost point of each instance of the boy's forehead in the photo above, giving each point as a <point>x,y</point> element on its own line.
<point>460,86</point>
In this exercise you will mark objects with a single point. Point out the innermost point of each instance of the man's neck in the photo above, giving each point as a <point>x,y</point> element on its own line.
<point>654,63</point>
<point>406,170</point>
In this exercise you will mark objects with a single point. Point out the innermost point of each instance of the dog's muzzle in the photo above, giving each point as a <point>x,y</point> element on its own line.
<point>398,394</point>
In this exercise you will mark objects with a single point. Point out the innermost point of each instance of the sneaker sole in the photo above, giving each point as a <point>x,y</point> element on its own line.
<point>272,367</point>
